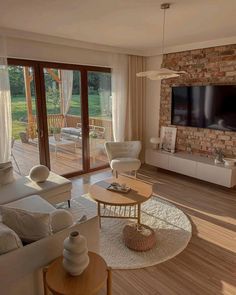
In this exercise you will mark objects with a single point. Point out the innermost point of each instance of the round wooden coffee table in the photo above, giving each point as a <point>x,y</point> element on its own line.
<point>93,279</point>
<point>121,205</point>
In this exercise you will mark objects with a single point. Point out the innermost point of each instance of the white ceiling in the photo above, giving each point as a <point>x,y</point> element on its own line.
<point>129,24</point>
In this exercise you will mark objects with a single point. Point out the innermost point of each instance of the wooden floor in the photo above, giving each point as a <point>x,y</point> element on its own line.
<point>66,160</point>
<point>208,265</point>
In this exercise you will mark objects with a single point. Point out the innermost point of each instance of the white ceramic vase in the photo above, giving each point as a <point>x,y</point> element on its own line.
<point>75,254</point>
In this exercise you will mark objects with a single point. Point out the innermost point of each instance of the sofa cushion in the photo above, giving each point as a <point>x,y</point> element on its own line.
<point>9,240</point>
<point>33,218</point>
<point>24,187</point>
<point>6,173</point>
<point>71,131</point>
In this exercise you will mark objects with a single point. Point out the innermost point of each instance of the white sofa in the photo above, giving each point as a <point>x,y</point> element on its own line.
<point>56,189</point>
<point>21,269</point>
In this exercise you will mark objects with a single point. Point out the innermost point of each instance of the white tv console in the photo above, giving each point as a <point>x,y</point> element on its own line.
<point>196,166</point>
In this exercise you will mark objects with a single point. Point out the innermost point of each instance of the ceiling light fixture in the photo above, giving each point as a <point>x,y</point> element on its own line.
<point>162,73</point>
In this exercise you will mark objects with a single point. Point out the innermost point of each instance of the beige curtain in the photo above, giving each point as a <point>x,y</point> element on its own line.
<point>135,112</point>
<point>119,95</point>
<point>5,106</point>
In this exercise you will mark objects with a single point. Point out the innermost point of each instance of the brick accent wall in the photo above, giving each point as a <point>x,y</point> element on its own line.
<point>216,65</point>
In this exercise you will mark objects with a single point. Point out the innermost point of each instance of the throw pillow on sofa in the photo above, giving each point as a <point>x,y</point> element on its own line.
<point>33,218</point>
<point>30,226</point>
<point>60,219</point>
<point>9,240</point>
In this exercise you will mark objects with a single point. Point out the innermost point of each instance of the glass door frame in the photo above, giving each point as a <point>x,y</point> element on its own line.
<point>41,108</point>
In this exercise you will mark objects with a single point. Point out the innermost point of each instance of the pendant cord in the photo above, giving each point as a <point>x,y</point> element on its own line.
<point>163,32</point>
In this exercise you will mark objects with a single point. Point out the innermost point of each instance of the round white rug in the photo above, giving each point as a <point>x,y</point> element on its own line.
<point>172,227</point>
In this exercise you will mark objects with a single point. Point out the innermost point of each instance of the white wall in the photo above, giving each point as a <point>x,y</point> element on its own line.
<point>43,51</point>
<point>152,100</point>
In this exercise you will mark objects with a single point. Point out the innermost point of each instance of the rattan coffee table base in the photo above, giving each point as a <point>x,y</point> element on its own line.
<point>139,237</point>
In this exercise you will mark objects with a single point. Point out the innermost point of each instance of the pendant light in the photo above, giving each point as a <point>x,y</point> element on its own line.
<point>162,73</point>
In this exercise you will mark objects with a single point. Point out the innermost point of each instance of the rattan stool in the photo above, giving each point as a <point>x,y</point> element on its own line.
<point>139,237</point>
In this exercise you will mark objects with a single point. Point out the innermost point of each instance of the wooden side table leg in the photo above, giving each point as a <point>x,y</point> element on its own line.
<point>109,282</point>
<point>44,281</point>
<point>99,214</point>
<point>139,213</point>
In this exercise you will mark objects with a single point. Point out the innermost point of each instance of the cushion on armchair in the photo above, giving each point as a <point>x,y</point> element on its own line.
<point>33,218</point>
<point>125,164</point>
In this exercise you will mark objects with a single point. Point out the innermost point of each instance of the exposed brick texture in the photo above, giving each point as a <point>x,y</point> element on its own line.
<point>216,65</point>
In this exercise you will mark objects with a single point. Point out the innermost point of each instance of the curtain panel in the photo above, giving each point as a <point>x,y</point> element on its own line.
<point>5,107</point>
<point>119,95</point>
<point>135,110</point>
<point>66,89</point>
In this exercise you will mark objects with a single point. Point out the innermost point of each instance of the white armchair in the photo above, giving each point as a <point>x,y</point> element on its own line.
<point>123,156</point>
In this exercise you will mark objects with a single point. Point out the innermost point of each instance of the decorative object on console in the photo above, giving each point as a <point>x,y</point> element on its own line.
<point>229,161</point>
<point>219,156</point>
<point>162,73</point>
<point>168,138</point>
<point>155,141</point>
<point>189,148</point>
<point>39,173</point>
<point>75,254</point>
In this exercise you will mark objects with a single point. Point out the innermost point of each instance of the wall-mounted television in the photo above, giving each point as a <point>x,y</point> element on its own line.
<point>212,106</point>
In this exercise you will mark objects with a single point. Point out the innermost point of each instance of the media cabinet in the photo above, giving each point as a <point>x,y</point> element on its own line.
<point>200,167</point>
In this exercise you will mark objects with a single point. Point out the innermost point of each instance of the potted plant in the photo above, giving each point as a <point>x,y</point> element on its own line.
<point>56,131</point>
<point>24,136</point>
<point>93,134</point>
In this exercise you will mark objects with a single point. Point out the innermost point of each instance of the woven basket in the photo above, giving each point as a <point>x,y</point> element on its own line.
<point>139,237</point>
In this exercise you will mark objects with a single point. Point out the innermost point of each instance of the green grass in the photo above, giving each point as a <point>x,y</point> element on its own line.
<point>97,106</point>
<point>17,127</point>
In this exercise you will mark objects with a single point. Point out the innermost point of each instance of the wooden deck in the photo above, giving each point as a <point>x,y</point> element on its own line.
<point>66,160</point>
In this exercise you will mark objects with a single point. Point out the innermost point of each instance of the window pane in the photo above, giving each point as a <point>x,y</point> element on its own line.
<point>64,120</point>
<point>25,152</point>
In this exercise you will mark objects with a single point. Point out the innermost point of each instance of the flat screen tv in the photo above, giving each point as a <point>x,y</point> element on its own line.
<point>212,107</point>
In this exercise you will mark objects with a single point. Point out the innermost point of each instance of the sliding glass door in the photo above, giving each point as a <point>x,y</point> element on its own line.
<point>63,103</point>
<point>61,116</point>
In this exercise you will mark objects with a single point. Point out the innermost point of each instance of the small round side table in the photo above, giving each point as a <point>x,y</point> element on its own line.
<point>95,276</point>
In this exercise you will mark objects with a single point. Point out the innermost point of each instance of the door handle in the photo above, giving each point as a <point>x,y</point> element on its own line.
<point>40,132</point>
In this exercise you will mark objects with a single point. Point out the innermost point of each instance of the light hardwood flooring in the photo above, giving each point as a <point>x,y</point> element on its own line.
<point>208,265</point>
